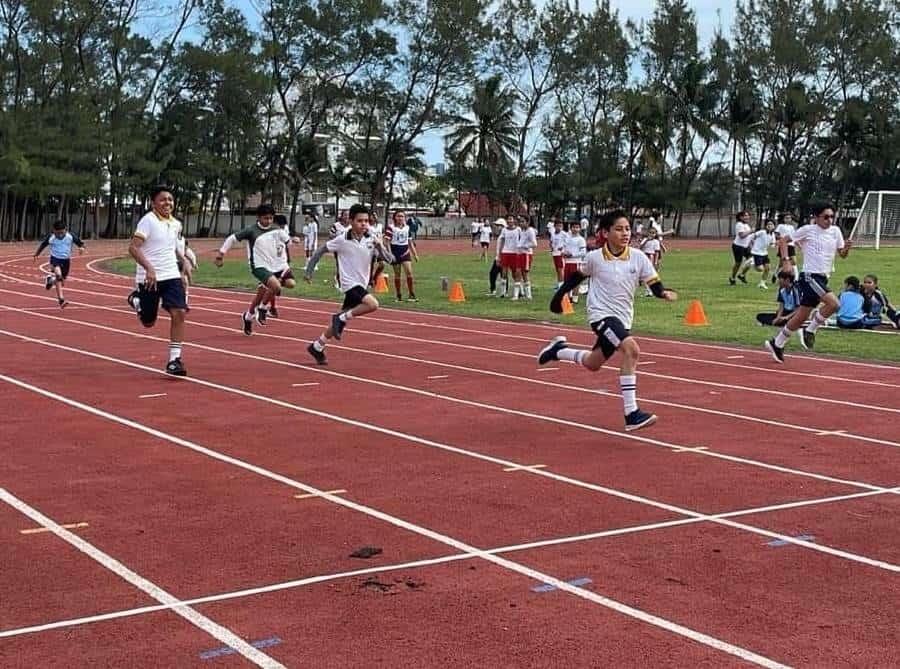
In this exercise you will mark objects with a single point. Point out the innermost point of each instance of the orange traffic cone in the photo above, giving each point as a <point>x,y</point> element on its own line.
<point>695,314</point>
<point>567,306</point>
<point>381,284</point>
<point>456,292</point>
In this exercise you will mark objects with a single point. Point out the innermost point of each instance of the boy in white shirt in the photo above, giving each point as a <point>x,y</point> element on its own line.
<point>740,247</point>
<point>820,241</point>
<point>760,241</point>
<point>614,270</point>
<point>574,250</point>
<point>484,235</point>
<point>786,229</point>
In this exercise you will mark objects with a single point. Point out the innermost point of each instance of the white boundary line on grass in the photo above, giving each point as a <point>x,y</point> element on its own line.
<point>613,492</point>
<point>197,619</point>
<point>504,563</point>
<point>555,328</point>
<point>492,407</point>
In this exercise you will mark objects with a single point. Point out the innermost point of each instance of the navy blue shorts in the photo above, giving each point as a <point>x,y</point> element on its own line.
<point>812,288</point>
<point>63,264</point>
<point>170,292</point>
<point>611,332</point>
<point>760,261</point>
<point>739,253</point>
<point>353,297</point>
<point>401,253</point>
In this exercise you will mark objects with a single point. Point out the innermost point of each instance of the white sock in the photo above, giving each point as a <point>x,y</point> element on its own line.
<point>174,350</point>
<point>781,339</point>
<point>816,321</point>
<point>346,316</point>
<point>575,355</point>
<point>517,289</point>
<point>628,384</point>
<point>528,289</point>
<point>319,344</point>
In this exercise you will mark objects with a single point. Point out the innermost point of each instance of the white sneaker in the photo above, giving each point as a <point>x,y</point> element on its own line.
<point>763,285</point>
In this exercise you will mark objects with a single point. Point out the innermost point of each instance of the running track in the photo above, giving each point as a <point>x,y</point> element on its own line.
<point>754,524</point>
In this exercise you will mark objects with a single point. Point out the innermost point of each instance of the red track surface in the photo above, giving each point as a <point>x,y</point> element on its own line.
<point>676,543</point>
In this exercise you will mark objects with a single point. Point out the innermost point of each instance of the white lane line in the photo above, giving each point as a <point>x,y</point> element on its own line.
<point>734,357</point>
<point>151,396</point>
<point>558,421</point>
<point>646,362</point>
<point>302,385</point>
<point>461,546</point>
<point>438,376</point>
<point>40,530</point>
<point>286,585</point>
<point>310,495</point>
<point>524,468</point>
<point>547,369</point>
<point>197,619</point>
<point>480,456</point>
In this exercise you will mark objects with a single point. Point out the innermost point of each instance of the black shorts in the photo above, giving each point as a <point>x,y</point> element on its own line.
<point>63,264</point>
<point>792,252</point>
<point>610,334</point>
<point>484,245</point>
<point>401,253</point>
<point>170,292</point>
<point>353,297</point>
<point>284,275</point>
<point>740,252</point>
<point>759,261</point>
<point>812,288</point>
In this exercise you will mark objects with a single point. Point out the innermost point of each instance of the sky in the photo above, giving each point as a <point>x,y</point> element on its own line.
<point>710,14</point>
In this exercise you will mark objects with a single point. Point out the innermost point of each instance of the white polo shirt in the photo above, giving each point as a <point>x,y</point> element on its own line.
<point>740,227</point>
<point>575,246</point>
<point>160,240</point>
<point>819,247</point>
<point>527,241</point>
<point>613,280</point>
<point>486,233</point>
<point>354,257</point>
<point>510,239</point>
<point>557,242</point>
<point>760,242</point>
<point>785,230</point>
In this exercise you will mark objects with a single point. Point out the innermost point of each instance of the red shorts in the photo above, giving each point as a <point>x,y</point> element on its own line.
<point>508,260</point>
<point>558,262</point>
<point>569,269</point>
<point>523,261</point>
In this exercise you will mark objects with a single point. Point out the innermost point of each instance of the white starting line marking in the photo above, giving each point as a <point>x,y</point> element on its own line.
<point>523,468</point>
<point>547,369</point>
<point>685,449</point>
<point>649,362</point>
<point>319,494</point>
<point>438,376</point>
<point>300,385</point>
<point>734,357</point>
<point>37,530</point>
<point>825,433</point>
<point>147,397</point>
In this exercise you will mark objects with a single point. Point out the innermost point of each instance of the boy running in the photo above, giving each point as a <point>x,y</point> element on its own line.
<point>819,241</point>
<point>60,242</point>
<point>355,250</point>
<point>614,270</point>
<point>403,248</point>
<point>760,241</point>
<point>266,248</point>
<point>740,247</point>
<point>154,248</point>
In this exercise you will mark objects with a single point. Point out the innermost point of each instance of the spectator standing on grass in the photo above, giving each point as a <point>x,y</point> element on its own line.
<point>525,246</point>
<point>355,250</point>
<point>820,242</point>
<point>760,241</point>
<point>574,250</point>
<point>404,251</point>
<point>875,302</point>
<point>740,247</point>
<point>788,299</point>
<point>311,236</point>
<point>507,244</point>
<point>476,231</point>
<point>614,272</point>
<point>484,237</point>
<point>557,245</point>
<point>154,247</point>
<point>786,229</point>
<point>60,241</point>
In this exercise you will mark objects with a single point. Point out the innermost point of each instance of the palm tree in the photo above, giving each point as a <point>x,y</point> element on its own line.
<point>488,138</point>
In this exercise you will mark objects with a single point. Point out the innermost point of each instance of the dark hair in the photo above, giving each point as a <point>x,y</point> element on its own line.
<point>738,215</point>
<point>786,274</point>
<point>819,208</point>
<point>852,282</point>
<point>357,209</point>
<point>281,220</point>
<point>265,210</point>
<point>397,213</point>
<point>606,221</point>
<point>59,225</point>
<point>156,190</point>
<point>873,277</point>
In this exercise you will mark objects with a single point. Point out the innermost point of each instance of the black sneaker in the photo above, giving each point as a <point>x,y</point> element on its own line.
<point>807,339</point>
<point>337,325</point>
<point>176,368</point>
<point>63,303</point>
<point>49,281</point>
<point>134,301</point>
<point>638,419</point>
<point>247,324</point>
<point>550,351</point>
<point>731,281</point>
<point>273,312</point>
<point>261,315</point>
<point>318,355</point>
<point>776,351</point>
<point>742,278</point>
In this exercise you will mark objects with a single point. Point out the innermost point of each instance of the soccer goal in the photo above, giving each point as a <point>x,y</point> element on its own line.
<point>878,221</point>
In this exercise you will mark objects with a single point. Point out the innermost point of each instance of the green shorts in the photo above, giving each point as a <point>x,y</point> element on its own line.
<point>262,274</point>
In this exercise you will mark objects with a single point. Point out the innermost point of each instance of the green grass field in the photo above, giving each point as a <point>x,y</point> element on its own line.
<point>695,274</point>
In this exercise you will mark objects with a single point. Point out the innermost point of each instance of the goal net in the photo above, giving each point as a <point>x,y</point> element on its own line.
<point>878,220</point>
